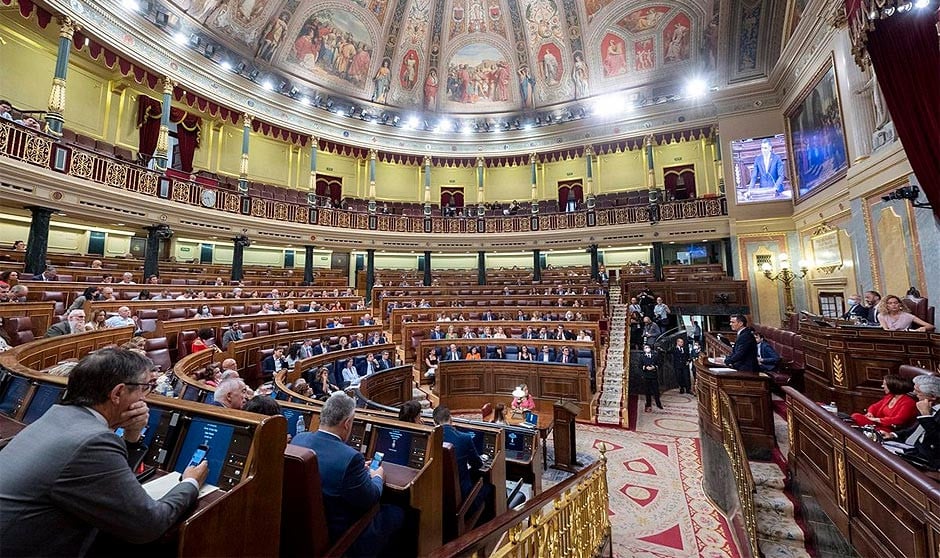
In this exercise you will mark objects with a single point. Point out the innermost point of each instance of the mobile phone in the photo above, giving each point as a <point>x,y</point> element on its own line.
<point>376,460</point>
<point>119,432</point>
<point>199,455</point>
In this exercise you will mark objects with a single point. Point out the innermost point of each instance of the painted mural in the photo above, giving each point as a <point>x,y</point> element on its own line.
<point>644,55</point>
<point>242,20</point>
<point>677,39</point>
<point>477,73</point>
<point>408,74</point>
<point>748,35</point>
<point>335,43</point>
<point>580,76</point>
<point>550,65</point>
<point>644,19</point>
<point>543,19</point>
<point>613,55</point>
<point>476,16</point>
<point>591,7</point>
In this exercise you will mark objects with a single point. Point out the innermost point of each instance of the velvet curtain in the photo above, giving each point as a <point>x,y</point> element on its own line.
<point>148,126</point>
<point>570,190</point>
<point>905,52</point>
<point>330,187</point>
<point>188,127</point>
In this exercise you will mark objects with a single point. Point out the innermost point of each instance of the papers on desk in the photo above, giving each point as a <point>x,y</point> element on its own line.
<point>897,448</point>
<point>158,488</point>
<point>716,360</point>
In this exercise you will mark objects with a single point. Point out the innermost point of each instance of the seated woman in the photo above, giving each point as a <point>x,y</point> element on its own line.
<point>895,410</point>
<point>525,354</point>
<point>521,399</point>
<point>202,341</point>
<point>431,362</point>
<point>474,353</point>
<point>499,414</point>
<point>410,411</point>
<point>893,317</point>
<point>498,353</point>
<point>322,388</point>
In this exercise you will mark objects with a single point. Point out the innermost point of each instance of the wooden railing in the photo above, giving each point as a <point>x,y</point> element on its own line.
<point>44,151</point>
<point>569,519</point>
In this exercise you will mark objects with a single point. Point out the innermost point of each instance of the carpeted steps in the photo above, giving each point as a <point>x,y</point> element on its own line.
<point>779,534</point>
<point>610,398</point>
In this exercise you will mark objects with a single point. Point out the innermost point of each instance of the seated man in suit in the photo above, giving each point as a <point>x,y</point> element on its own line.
<point>69,474</point>
<point>468,460</point>
<point>74,324</point>
<point>566,357</point>
<point>545,355</point>
<point>234,333</point>
<point>453,353</point>
<point>856,309</point>
<point>368,366</point>
<point>323,347</point>
<point>274,363</point>
<point>231,394</point>
<point>924,436</point>
<point>366,320</point>
<point>743,355</point>
<point>767,357</point>
<point>386,361</point>
<point>349,487</point>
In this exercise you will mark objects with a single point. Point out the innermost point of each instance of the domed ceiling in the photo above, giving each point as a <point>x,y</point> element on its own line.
<point>472,56</point>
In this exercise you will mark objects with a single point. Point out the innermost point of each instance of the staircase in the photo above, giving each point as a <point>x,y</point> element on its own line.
<point>610,400</point>
<point>779,535</point>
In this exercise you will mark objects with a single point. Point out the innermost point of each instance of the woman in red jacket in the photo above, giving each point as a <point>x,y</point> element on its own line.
<point>895,410</point>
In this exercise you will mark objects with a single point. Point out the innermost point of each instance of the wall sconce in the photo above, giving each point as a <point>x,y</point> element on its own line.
<point>787,277</point>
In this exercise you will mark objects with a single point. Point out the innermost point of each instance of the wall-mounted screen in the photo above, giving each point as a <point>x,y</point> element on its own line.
<point>760,169</point>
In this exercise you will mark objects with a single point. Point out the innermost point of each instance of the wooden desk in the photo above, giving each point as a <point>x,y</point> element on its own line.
<point>847,364</point>
<point>749,394</point>
<point>882,505</point>
<point>466,385</point>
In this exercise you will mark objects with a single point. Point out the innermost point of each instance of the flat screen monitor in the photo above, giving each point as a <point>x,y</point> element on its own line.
<point>292,415</point>
<point>479,439</point>
<point>190,393</point>
<point>45,397</point>
<point>760,169</point>
<point>531,418</point>
<point>515,441</point>
<point>16,389</point>
<point>216,435</point>
<point>153,422</point>
<point>394,443</point>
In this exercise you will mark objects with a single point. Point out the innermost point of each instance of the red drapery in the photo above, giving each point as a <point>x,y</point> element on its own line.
<point>188,126</point>
<point>570,190</point>
<point>679,189</point>
<point>330,187</point>
<point>905,51</point>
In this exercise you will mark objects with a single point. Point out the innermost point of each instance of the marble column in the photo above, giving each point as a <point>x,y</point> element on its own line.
<point>373,155</point>
<point>312,181</point>
<point>594,262</point>
<point>533,164</point>
<point>536,265</point>
<point>427,269</point>
<point>658,260</point>
<point>38,242</point>
<point>589,199</point>
<point>481,267</point>
<point>308,265</point>
<point>238,258</point>
<point>55,115</point>
<point>481,211</point>
<point>161,156</point>
<point>155,233</point>
<point>427,185</point>
<point>370,274</point>
<point>243,166</point>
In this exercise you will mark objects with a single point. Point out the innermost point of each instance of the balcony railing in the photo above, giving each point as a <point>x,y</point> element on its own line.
<point>36,148</point>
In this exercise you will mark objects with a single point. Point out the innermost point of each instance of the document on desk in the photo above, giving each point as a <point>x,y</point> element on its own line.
<point>897,448</point>
<point>158,488</point>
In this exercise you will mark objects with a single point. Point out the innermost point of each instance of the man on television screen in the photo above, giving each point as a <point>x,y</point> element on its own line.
<point>768,169</point>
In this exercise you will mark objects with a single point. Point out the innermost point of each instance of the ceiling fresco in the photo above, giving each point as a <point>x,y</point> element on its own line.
<point>474,56</point>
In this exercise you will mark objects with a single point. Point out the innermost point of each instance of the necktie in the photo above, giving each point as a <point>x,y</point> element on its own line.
<point>916,436</point>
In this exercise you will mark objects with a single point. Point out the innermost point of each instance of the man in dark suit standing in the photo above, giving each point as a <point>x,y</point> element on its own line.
<point>468,460</point>
<point>743,355</point>
<point>769,169</point>
<point>349,487</point>
<point>70,475</point>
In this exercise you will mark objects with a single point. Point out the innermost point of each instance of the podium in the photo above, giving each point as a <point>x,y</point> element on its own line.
<point>563,429</point>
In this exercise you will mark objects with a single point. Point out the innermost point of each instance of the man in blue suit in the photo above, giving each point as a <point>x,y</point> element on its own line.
<point>743,356</point>
<point>768,169</point>
<point>767,357</point>
<point>468,460</point>
<point>349,487</point>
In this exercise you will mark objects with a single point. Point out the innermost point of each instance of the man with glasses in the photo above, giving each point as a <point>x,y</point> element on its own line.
<point>75,323</point>
<point>70,475</point>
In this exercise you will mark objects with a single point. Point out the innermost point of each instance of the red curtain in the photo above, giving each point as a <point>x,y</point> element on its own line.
<point>905,52</point>
<point>570,189</point>
<point>148,125</point>
<point>330,187</point>
<point>188,141</point>
<point>679,189</point>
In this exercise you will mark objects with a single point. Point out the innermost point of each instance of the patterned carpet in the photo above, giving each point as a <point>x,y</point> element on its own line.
<point>657,505</point>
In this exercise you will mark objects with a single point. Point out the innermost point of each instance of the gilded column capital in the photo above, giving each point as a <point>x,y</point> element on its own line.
<point>533,158</point>
<point>314,142</point>
<point>427,160</point>
<point>168,85</point>
<point>481,162</point>
<point>588,150</point>
<point>373,154</point>
<point>67,27</point>
<point>246,120</point>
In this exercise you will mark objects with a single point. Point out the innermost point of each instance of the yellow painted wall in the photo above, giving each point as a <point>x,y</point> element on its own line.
<point>271,160</point>
<point>617,172</point>
<point>336,165</point>
<point>27,63</point>
<point>396,261</point>
<point>615,258</point>
<point>396,182</point>
<point>443,177</point>
<point>453,261</point>
<point>505,184</point>
<point>570,169</point>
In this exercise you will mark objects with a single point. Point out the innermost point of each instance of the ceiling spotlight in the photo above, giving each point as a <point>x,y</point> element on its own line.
<point>210,50</point>
<point>305,101</point>
<point>443,124</point>
<point>467,127</point>
<point>161,19</point>
<point>293,92</point>
<point>580,112</point>
<point>329,103</point>
<point>548,118</point>
<point>131,5</point>
<point>527,126</point>
<point>697,87</point>
<point>267,85</point>
<point>921,3</point>
<point>226,65</point>
<point>412,123</point>
<point>486,126</point>
<point>240,68</point>
<point>385,117</point>
<point>195,40</point>
<point>396,120</point>
<point>179,38</point>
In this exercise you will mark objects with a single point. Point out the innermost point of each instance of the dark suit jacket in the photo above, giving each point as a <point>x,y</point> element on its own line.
<point>319,350</point>
<point>467,457</point>
<point>385,364</point>
<point>268,367</point>
<point>348,489</point>
<point>59,328</point>
<point>363,367</point>
<point>766,351</point>
<point>773,175</point>
<point>743,356</point>
<point>928,447</point>
<point>572,359</point>
<point>453,356</point>
<point>857,310</point>
<point>68,475</point>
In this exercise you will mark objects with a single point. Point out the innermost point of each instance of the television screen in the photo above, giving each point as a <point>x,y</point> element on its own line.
<point>46,396</point>
<point>16,389</point>
<point>216,435</point>
<point>760,169</point>
<point>190,393</point>
<point>153,422</point>
<point>479,439</point>
<point>515,441</point>
<point>394,443</point>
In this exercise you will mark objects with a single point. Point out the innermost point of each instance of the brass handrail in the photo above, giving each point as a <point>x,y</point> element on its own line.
<point>569,519</point>
<point>743,479</point>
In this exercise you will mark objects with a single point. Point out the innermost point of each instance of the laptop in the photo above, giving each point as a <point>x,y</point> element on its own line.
<point>531,419</point>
